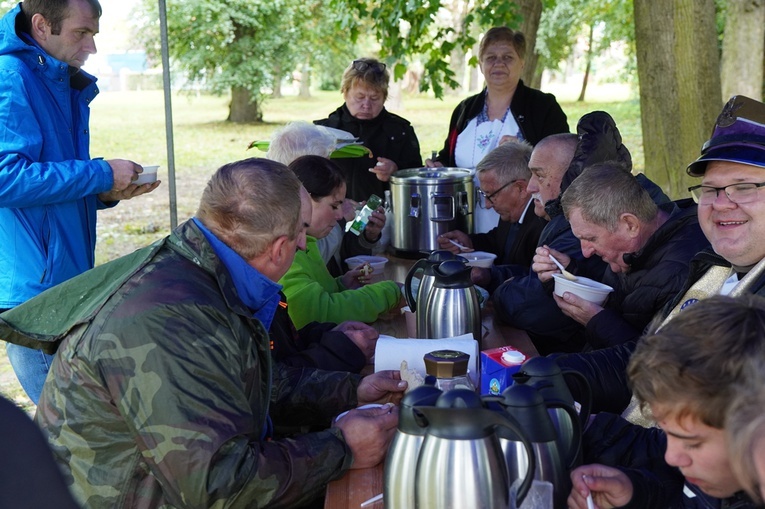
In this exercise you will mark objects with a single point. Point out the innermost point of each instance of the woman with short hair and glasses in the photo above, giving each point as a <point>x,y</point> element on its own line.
<point>391,138</point>
<point>506,108</point>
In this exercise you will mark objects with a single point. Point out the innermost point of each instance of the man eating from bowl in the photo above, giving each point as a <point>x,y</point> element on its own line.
<point>731,212</point>
<point>555,163</point>
<point>647,248</point>
<point>503,175</point>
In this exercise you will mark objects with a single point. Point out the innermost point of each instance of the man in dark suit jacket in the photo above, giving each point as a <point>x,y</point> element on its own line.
<point>503,175</point>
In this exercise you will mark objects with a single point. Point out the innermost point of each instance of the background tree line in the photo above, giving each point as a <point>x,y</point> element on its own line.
<point>688,56</point>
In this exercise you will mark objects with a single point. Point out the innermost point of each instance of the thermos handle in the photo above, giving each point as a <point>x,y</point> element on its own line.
<point>410,300</point>
<point>462,203</point>
<point>573,453</point>
<point>414,205</point>
<point>507,421</point>
<point>442,207</point>
<point>584,415</point>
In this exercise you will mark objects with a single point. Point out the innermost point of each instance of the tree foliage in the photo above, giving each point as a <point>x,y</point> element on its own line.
<point>409,30</point>
<point>566,21</point>
<point>236,45</point>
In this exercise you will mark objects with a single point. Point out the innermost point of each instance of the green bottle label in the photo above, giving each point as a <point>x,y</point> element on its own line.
<point>362,216</point>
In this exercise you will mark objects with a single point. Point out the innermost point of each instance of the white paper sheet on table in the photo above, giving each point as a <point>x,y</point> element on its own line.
<point>391,351</point>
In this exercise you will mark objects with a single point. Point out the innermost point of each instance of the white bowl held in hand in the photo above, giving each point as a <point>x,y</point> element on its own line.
<point>479,259</point>
<point>376,262</point>
<point>586,288</point>
<point>148,176</point>
<point>362,407</point>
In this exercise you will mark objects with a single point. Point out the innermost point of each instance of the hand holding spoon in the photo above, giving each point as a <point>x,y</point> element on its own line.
<point>462,248</point>
<point>563,271</point>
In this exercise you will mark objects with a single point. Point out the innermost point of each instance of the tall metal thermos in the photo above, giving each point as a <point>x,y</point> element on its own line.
<point>530,410</point>
<point>401,461</point>
<point>423,270</point>
<point>544,374</point>
<point>461,464</point>
<point>451,306</point>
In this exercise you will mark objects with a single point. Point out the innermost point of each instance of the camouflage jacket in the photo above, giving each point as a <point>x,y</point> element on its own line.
<point>161,390</point>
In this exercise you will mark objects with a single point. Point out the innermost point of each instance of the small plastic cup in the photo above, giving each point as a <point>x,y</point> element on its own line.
<point>411,321</point>
<point>148,176</point>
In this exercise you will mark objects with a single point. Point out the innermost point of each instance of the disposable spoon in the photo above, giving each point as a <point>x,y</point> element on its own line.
<point>563,271</point>
<point>462,248</point>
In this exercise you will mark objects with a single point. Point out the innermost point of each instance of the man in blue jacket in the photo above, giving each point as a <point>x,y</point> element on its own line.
<point>50,188</point>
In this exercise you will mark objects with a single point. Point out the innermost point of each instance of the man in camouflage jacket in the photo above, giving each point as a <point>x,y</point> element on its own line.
<point>163,391</point>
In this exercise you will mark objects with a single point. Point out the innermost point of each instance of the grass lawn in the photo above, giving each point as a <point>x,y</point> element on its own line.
<point>131,125</point>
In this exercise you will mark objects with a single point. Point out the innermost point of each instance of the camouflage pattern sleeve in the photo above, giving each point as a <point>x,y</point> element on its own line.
<point>162,401</point>
<point>311,397</point>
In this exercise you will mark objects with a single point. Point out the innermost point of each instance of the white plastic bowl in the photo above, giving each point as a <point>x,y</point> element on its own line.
<point>148,176</point>
<point>376,262</point>
<point>586,288</point>
<point>479,259</point>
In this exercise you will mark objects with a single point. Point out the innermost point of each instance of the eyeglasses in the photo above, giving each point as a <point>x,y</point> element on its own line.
<point>490,197</point>
<point>363,65</point>
<point>741,193</point>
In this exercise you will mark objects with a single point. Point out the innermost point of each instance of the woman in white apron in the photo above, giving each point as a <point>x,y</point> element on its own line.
<point>505,109</point>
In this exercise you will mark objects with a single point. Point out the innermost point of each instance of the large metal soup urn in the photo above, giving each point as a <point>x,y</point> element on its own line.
<point>427,202</point>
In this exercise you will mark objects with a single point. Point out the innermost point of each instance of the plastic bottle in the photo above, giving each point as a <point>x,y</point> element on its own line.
<point>362,216</point>
<point>385,235</point>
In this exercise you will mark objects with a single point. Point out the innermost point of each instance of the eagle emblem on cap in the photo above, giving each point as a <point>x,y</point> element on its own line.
<point>728,115</point>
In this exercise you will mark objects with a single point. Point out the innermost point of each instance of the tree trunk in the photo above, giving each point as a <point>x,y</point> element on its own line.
<point>588,59</point>
<point>457,60</point>
<point>531,10</point>
<point>277,89</point>
<point>475,74</point>
<point>305,82</point>
<point>458,65</point>
<point>678,69</point>
<point>743,48</point>
<point>241,108</point>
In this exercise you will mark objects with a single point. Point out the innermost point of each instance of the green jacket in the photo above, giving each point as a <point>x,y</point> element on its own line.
<point>315,296</point>
<point>162,387</point>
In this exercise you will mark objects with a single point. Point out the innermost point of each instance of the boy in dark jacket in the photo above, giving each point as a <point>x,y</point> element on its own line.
<point>687,374</point>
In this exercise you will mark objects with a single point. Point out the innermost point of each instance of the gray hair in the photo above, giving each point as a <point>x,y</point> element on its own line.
<point>298,139</point>
<point>503,34</point>
<point>509,161</point>
<point>603,192</point>
<point>745,427</point>
<point>250,203</point>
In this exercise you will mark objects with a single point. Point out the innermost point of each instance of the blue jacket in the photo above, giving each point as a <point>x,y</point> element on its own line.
<point>48,184</point>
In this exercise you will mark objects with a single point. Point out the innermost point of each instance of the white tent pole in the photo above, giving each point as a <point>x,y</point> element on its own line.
<point>168,114</point>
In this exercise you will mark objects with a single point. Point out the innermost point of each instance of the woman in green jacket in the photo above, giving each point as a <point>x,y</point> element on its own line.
<point>313,294</point>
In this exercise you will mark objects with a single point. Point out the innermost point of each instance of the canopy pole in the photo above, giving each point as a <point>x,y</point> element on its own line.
<point>168,114</point>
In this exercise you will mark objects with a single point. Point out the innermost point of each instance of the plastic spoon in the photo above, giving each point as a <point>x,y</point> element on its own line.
<point>461,247</point>
<point>563,271</point>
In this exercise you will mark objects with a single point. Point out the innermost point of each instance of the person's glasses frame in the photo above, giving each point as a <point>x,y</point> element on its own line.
<point>490,197</point>
<point>362,65</point>
<point>739,193</point>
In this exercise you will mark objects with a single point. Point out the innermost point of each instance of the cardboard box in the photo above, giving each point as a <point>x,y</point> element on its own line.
<point>497,368</point>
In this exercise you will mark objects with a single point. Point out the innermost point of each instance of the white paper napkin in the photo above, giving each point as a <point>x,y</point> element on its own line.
<point>391,351</point>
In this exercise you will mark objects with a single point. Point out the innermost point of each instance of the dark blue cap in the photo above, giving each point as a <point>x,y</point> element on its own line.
<point>738,136</point>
